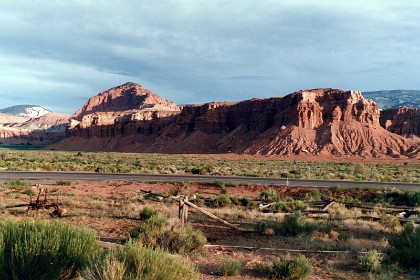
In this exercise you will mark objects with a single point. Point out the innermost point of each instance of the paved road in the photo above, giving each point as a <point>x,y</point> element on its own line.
<point>46,176</point>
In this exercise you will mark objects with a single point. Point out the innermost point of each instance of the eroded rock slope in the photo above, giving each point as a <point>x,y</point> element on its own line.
<point>317,122</point>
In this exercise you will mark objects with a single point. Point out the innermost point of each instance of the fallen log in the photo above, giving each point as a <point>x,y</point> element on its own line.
<point>192,205</point>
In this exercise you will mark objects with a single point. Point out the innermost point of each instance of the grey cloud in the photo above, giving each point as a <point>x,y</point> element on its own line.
<point>198,51</point>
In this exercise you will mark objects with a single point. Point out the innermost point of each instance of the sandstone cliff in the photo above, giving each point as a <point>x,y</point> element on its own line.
<point>403,121</point>
<point>317,122</point>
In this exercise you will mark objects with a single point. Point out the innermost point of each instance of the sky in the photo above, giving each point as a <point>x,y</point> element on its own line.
<point>58,54</point>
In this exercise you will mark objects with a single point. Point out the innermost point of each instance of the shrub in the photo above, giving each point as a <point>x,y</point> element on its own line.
<point>17,184</point>
<point>234,200</point>
<point>389,221</point>
<point>222,200</point>
<point>314,195</point>
<point>200,170</point>
<point>261,227</point>
<point>371,261</point>
<point>150,231</point>
<point>221,186</point>
<point>182,240</point>
<point>157,232</point>
<point>229,267</point>
<point>43,250</point>
<point>407,198</point>
<point>245,201</point>
<point>63,183</point>
<point>135,261</point>
<point>281,206</point>
<point>407,247</point>
<point>147,212</point>
<point>269,195</point>
<point>175,190</point>
<point>338,211</point>
<point>29,192</point>
<point>294,225</point>
<point>286,268</point>
<point>299,205</point>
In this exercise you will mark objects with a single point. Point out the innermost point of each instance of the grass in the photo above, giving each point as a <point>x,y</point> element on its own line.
<point>178,164</point>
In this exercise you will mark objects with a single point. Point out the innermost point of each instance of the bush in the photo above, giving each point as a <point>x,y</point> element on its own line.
<point>29,192</point>
<point>371,261</point>
<point>269,195</point>
<point>147,212</point>
<point>222,200</point>
<point>407,247</point>
<point>63,183</point>
<point>389,221</point>
<point>407,198</point>
<point>43,250</point>
<point>338,211</point>
<point>182,240</point>
<point>229,267</point>
<point>261,227</point>
<point>157,232</point>
<point>200,170</point>
<point>135,261</point>
<point>221,186</point>
<point>245,201</point>
<point>286,268</point>
<point>294,225</point>
<point>150,231</point>
<point>314,195</point>
<point>299,205</point>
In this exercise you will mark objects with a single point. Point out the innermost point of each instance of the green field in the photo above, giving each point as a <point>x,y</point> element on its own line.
<point>41,160</point>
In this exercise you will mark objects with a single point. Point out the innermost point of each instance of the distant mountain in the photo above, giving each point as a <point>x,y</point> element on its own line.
<point>31,111</point>
<point>388,99</point>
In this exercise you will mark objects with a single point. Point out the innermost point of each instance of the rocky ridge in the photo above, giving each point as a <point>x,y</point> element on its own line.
<point>317,122</point>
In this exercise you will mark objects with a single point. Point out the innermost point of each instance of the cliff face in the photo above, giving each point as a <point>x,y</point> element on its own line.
<point>318,122</point>
<point>45,130</point>
<point>402,121</point>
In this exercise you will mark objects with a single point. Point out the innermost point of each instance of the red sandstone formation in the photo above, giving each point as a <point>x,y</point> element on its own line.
<point>129,96</point>
<point>402,121</point>
<point>316,122</point>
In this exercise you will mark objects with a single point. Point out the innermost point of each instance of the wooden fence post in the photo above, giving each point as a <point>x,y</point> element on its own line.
<point>181,212</point>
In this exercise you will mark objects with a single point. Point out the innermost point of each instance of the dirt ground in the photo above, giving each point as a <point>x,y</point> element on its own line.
<point>111,209</point>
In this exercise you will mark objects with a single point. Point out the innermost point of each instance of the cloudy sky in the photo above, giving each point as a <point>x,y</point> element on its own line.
<point>60,53</point>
